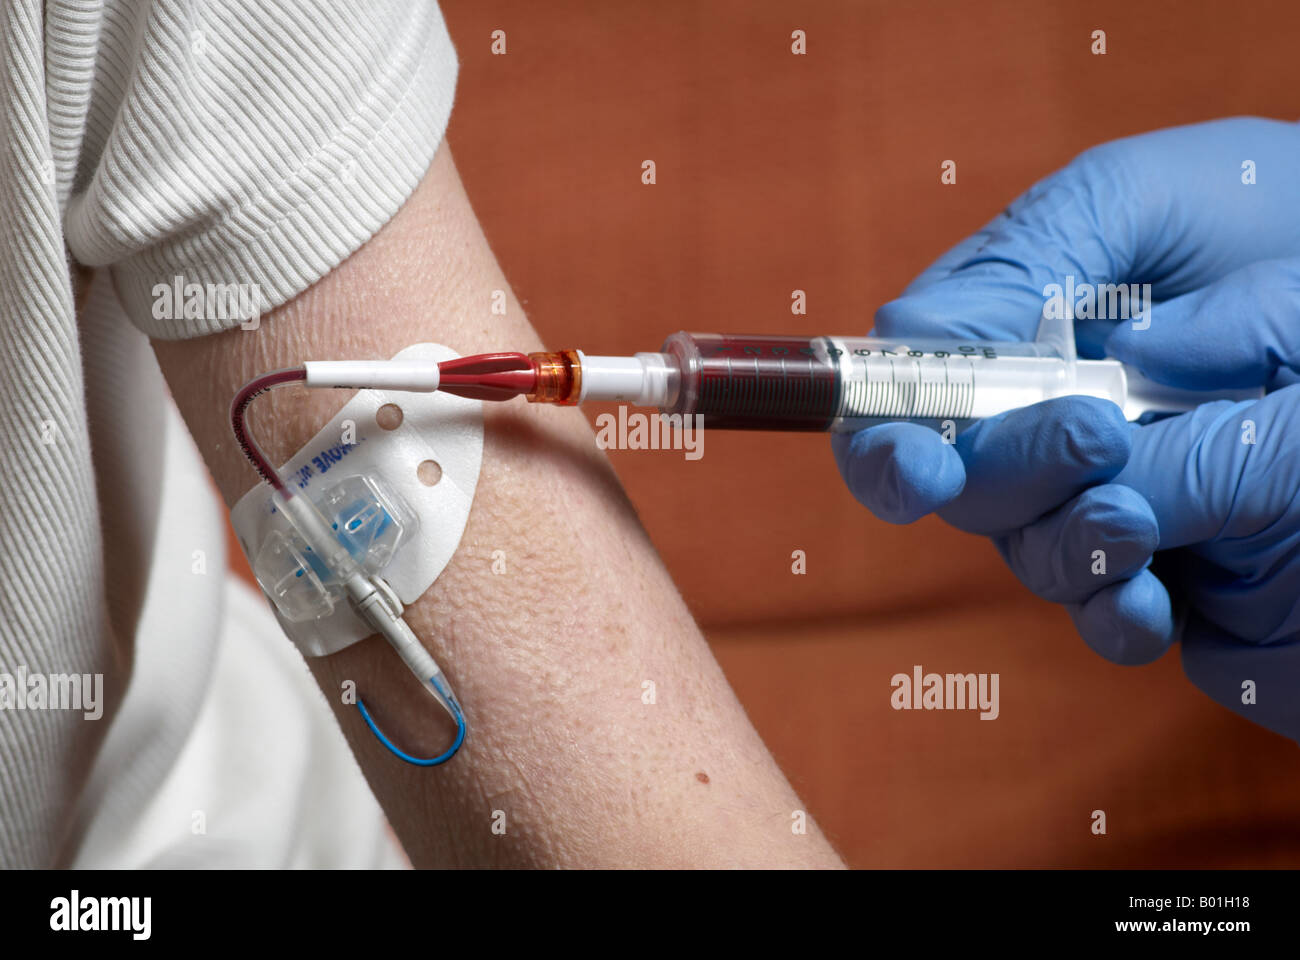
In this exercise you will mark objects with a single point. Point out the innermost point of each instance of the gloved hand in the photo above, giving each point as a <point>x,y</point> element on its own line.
<point>1223,258</point>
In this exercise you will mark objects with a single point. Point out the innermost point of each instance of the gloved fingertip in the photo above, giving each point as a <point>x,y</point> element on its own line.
<point>1168,353</point>
<point>1130,623</point>
<point>1117,519</point>
<point>1106,534</point>
<point>1090,337</point>
<point>1095,439</point>
<point>913,315</point>
<point>1134,347</point>
<point>899,471</point>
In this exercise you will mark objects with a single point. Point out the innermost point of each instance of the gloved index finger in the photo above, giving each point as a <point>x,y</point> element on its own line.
<point>1239,332</point>
<point>1167,209</point>
<point>991,286</point>
<point>953,258</point>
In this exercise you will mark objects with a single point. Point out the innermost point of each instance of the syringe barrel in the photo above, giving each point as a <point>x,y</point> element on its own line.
<point>844,383</point>
<point>754,382</point>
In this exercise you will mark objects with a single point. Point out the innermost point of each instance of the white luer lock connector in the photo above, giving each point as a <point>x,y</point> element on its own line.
<point>644,380</point>
<point>417,376</point>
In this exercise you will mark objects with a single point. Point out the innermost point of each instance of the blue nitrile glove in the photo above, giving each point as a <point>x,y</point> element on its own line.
<point>1170,209</point>
<point>1222,484</point>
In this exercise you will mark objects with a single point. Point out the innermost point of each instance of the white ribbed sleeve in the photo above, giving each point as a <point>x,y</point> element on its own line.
<point>245,142</point>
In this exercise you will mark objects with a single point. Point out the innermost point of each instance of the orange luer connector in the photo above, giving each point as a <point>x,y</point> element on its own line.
<point>559,377</point>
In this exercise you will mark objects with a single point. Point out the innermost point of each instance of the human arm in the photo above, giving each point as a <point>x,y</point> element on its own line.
<point>548,659</point>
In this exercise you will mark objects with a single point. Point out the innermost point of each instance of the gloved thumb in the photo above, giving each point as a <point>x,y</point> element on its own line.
<point>1239,332</point>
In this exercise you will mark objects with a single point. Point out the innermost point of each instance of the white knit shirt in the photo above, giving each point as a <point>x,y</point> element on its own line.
<point>254,142</point>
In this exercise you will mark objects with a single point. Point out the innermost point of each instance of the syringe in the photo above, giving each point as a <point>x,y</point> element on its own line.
<point>795,383</point>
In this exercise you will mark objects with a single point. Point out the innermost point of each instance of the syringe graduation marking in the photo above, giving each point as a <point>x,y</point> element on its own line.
<point>872,395</point>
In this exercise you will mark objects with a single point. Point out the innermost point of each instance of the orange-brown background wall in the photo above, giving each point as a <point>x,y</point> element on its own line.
<point>820,172</point>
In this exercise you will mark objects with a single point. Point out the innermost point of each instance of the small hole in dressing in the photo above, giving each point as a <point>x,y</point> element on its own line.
<point>429,473</point>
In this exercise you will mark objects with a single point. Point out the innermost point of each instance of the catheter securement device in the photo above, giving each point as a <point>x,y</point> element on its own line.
<point>343,535</point>
<point>350,529</point>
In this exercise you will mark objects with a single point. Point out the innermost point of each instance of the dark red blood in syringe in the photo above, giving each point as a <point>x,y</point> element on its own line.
<point>755,382</point>
<point>488,376</point>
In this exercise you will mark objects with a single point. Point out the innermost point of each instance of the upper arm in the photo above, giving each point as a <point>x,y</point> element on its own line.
<point>301,161</point>
<point>547,660</point>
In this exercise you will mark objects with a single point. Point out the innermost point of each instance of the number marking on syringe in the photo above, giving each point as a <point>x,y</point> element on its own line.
<point>902,388</point>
